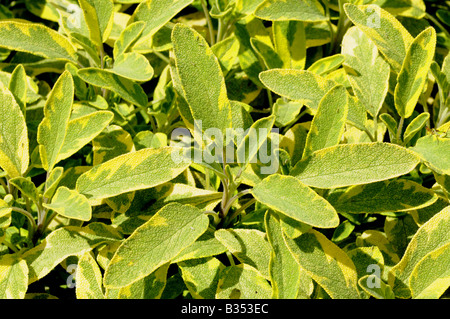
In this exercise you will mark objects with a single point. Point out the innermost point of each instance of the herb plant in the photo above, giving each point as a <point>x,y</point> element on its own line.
<point>224,149</point>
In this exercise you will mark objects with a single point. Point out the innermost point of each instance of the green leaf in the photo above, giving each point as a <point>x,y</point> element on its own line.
<point>290,43</point>
<point>82,130</point>
<point>158,241</point>
<point>133,171</point>
<point>53,128</point>
<point>415,126</point>
<point>88,278</point>
<point>431,236</point>
<point>52,181</point>
<point>201,276</point>
<point>36,39</point>
<point>367,71</point>
<point>14,153</point>
<point>431,276</point>
<point>242,282</point>
<point>247,149</point>
<point>205,246</point>
<point>198,68</point>
<point>328,124</point>
<point>327,64</point>
<point>384,197</point>
<point>354,164</point>
<point>248,245</point>
<point>246,29</point>
<point>267,53</point>
<point>406,8</point>
<point>150,287</point>
<point>112,142</point>
<point>414,72</point>
<point>285,112</point>
<point>302,86</point>
<point>300,10</point>
<point>285,273</point>
<point>432,150</point>
<point>247,7</point>
<point>226,51</point>
<point>106,79</point>
<point>379,25</point>
<point>18,87</point>
<point>65,242</point>
<point>156,13</point>
<point>99,19</point>
<point>127,37</point>
<point>13,277</point>
<point>70,204</point>
<point>133,66</point>
<point>326,263</point>
<point>383,291</point>
<point>26,187</point>
<point>290,197</point>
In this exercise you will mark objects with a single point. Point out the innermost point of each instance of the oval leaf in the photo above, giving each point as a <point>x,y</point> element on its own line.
<point>158,241</point>
<point>326,263</point>
<point>301,10</point>
<point>129,172</point>
<point>70,204</point>
<point>385,197</point>
<point>354,164</point>
<point>289,196</point>
<point>302,86</point>
<point>14,153</point>
<point>431,236</point>
<point>53,128</point>
<point>414,72</point>
<point>36,39</point>
<point>198,69</point>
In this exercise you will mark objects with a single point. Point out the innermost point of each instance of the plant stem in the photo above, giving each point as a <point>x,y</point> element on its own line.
<point>230,258</point>
<point>436,22</point>
<point>208,22</point>
<point>240,210</point>
<point>2,182</point>
<point>375,128</point>
<point>161,56</point>
<point>32,223</point>
<point>234,198</point>
<point>399,130</point>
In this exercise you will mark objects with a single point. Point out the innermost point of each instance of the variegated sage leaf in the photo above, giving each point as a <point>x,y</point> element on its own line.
<point>367,71</point>
<point>133,171</point>
<point>379,25</point>
<point>88,278</point>
<point>14,152</point>
<point>13,277</point>
<point>300,10</point>
<point>290,197</point>
<point>326,263</point>
<point>383,197</point>
<point>302,86</point>
<point>107,79</point>
<point>155,13</point>
<point>71,204</point>
<point>432,235</point>
<point>414,72</point>
<point>329,121</point>
<point>172,229</point>
<point>354,164</point>
<point>431,277</point>
<point>53,128</point>
<point>65,242</point>
<point>36,39</point>
<point>198,68</point>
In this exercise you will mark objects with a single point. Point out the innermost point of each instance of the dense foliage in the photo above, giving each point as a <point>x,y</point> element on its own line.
<point>224,149</point>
